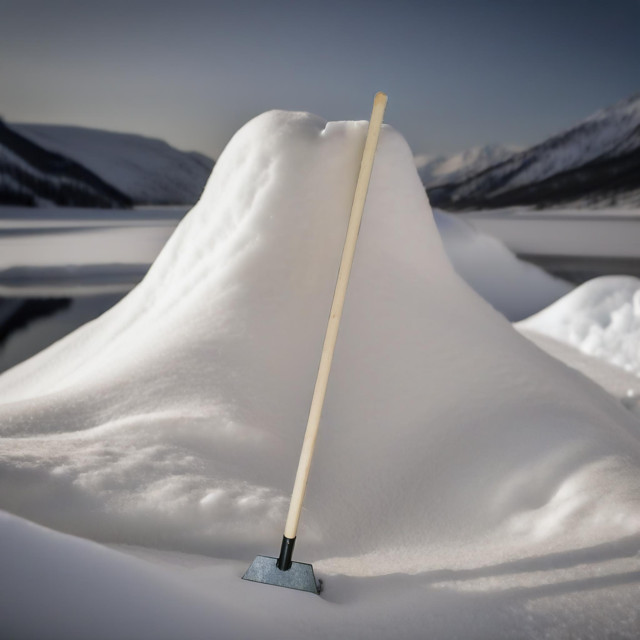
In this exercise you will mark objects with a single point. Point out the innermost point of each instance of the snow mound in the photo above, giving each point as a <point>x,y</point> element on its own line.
<point>175,419</point>
<point>600,317</point>
<point>148,170</point>
<point>514,287</point>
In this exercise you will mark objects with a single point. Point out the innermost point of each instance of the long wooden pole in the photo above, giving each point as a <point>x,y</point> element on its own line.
<point>311,433</point>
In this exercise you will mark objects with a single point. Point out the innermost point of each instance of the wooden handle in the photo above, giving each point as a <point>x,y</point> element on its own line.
<point>311,433</point>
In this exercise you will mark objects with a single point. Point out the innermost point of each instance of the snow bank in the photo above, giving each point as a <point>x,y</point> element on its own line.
<point>514,287</point>
<point>600,317</point>
<point>175,419</point>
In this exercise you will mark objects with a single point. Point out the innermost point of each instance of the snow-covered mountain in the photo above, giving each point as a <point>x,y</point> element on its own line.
<point>597,162</point>
<point>148,170</point>
<point>117,169</point>
<point>31,175</point>
<point>443,169</point>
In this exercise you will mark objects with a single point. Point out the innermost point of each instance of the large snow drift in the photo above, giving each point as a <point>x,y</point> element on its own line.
<point>175,419</point>
<point>600,318</point>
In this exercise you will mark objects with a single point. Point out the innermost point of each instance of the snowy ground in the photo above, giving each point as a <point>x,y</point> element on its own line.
<point>466,484</point>
<point>586,593</point>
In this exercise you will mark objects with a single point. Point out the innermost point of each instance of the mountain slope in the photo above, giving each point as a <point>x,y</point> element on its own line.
<point>147,170</point>
<point>30,174</point>
<point>75,166</point>
<point>596,162</point>
<point>438,170</point>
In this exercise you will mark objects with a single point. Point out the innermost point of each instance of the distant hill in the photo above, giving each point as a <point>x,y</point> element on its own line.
<point>595,163</point>
<point>77,166</point>
<point>31,176</point>
<point>437,170</point>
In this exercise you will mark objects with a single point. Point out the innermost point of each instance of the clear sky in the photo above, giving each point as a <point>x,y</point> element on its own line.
<point>458,73</point>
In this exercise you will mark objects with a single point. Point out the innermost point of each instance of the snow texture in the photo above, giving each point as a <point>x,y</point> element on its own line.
<point>448,441</point>
<point>601,318</point>
<point>57,586</point>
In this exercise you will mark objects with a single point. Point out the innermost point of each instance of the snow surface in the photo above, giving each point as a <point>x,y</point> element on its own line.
<point>145,169</point>
<point>61,587</point>
<point>451,449</point>
<point>514,287</point>
<point>601,318</point>
<point>622,385</point>
<point>64,587</point>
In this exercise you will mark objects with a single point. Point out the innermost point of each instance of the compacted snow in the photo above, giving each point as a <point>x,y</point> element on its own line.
<point>465,483</point>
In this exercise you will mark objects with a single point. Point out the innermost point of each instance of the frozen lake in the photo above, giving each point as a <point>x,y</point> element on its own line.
<point>68,251</point>
<point>63,267</point>
<point>87,259</point>
<point>575,244</point>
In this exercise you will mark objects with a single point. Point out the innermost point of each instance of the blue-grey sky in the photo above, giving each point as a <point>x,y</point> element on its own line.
<point>458,73</point>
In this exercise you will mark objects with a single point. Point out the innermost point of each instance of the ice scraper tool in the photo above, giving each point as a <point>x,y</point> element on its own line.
<point>282,571</point>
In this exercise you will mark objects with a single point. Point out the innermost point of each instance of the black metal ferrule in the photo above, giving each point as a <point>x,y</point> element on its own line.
<point>286,552</point>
